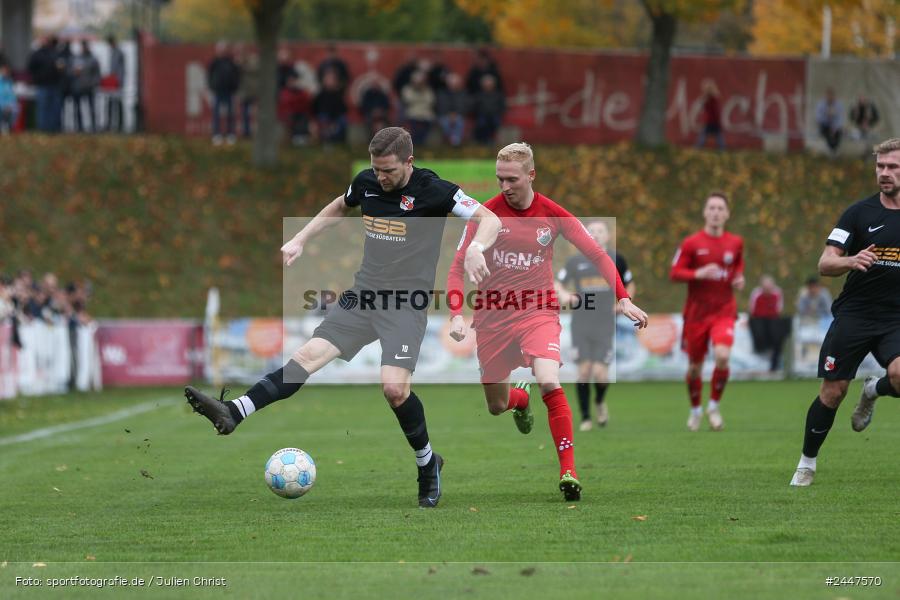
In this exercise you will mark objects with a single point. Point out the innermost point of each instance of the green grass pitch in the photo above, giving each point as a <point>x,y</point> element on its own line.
<point>142,488</point>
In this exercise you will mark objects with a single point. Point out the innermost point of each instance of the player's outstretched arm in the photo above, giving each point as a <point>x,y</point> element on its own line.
<point>486,234</point>
<point>833,262</point>
<point>326,218</point>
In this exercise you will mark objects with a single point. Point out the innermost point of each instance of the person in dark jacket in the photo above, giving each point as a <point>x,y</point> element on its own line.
<point>46,75</point>
<point>224,78</point>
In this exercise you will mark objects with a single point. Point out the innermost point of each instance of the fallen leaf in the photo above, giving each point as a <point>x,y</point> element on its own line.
<point>56,489</point>
<point>90,557</point>
<point>571,507</point>
<point>639,517</point>
<point>61,468</point>
<point>146,474</point>
<point>527,571</point>
<point>340,462</point>
<point>3,565</point>
<point>541,447</point>
<point>473,509</point>
<point>627,559</point>
<point>39,564</point>
<point>732,518</point>
<point>127,430</point>
<point>480,571</point>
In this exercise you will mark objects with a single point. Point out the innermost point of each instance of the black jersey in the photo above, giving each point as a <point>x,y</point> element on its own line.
<point>581,274</point>
<point>404,228</point>
<point>875,292</point>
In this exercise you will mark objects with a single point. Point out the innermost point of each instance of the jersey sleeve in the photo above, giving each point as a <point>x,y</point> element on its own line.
<point>461,205</point>
<point>455,282</point>
<point>739,259</point>
<point>681,265</point>
<point>574,231</point>
<point>842,234</point>
<point>354,194</point>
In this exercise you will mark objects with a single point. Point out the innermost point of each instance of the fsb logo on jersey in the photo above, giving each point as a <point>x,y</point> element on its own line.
<point>384,226</point>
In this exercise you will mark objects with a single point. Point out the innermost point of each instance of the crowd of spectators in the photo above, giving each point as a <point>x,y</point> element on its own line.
<point>425,96</point>
<point>24,299</point>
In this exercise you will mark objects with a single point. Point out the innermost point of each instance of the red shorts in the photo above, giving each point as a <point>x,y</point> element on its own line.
<point>502,350</point>
<point>697,335</point>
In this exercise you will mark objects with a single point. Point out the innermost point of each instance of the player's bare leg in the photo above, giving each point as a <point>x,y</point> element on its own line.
<point>501,398</point>
<point>583,389</point>
<point>819,419</point>
<point>559,416</point>
<point>278,385</point>
<point>600,374</point>
<point>396,385</point>
<point>872,389</point>
<point>722,355</point>
<point>695,390</point>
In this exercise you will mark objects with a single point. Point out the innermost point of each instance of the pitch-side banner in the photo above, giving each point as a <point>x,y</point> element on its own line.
<point>152,352</point>
<point>552,96</point>
<point>246,349</point>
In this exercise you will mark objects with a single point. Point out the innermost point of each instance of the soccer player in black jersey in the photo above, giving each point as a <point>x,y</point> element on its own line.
<point>865,243</point>
<point>404,210</point>
<point>594,330</point>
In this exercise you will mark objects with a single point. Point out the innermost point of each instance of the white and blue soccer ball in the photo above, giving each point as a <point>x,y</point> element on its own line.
<point>290,472</point>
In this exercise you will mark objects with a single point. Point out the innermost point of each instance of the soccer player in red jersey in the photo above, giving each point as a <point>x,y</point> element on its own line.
<point>516,310</point>
<point>711,261</point>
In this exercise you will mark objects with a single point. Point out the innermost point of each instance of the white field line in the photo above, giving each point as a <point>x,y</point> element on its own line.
<point>45,432</point>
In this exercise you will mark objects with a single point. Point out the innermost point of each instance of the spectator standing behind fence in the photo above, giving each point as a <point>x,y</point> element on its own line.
<point>452,108</point>
<point>115,86</point>
<point>224,79</point>
<point>84,79</point>
<point>830,120</point>
<point>294,111</point>
<point>483,65</point>
<point>334,63</point>
<point>375,108</point>
<point>46,74</point>
<point>814,301</point>
<point>9,104</point>
<point>331,110</point>
<point>418,100</point>
<point>767,327</point>
<point>248,90</point>
<point>712,115</point>
<point>286,68</point>
<point>864,117</point>
<point>488,107</point>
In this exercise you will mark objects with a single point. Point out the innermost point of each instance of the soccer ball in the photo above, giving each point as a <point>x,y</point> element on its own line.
<point>290,472</point>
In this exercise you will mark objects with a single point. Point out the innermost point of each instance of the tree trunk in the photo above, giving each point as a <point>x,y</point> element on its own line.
<point>267,17</point>
<point>652,126</point>
<point>15,17</point>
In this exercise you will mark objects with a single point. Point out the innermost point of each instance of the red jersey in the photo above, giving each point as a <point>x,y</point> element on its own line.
<point>520,262</point>
<point>709,297</point>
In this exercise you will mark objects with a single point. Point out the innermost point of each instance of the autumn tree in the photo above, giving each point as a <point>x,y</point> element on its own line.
<point>859,27</point>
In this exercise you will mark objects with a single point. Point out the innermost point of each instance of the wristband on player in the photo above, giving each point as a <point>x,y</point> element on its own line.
<point>477,245</point>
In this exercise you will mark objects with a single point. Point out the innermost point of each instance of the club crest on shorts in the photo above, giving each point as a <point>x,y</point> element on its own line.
<point>406,202</point>
<point>829,363</point>
<point>544,236</point>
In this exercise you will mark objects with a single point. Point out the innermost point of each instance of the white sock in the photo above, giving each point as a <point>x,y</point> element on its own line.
<point>696,410</point>
<point>244,405</point>
<point>712,405</point>
<point>423,456</point>
<point>870,389</point>
<point>807,463</point>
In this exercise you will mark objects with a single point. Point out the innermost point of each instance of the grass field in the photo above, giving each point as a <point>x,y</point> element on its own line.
<point>150,491</point>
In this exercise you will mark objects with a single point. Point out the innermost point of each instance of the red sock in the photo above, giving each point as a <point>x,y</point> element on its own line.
<point>559,415</point>
<point>518,398</point>
<point>719,379</point>
<point>695,390</point>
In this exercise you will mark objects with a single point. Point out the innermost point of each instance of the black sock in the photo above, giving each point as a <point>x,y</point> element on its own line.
<point>584,400</point>
<point>884,388</point>
<point>601,391</point>
<point>411,416</point>
<point>819,420</point>
<point>273,387</point>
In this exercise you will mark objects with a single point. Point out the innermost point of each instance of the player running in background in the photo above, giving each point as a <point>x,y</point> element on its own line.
<point>393,190</point>
<point>866,244</point>
<point>517,322</point>
<point>711,261</point>
<point>593,330</point>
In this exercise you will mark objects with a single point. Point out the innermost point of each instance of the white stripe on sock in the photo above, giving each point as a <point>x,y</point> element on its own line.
<point>244,405</point>
<point>423,456</point>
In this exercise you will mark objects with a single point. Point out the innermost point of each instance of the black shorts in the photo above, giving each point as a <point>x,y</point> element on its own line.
<point>593,339</point>
<point>850,338</point>
<point>400,332</point>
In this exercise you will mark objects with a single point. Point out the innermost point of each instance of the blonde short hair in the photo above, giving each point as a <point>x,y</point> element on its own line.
<point>519,152</point>
<point>886,146</point>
